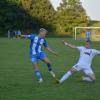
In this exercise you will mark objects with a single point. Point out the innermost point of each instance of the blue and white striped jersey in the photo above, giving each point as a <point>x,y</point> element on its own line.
<point>88,34</point>
<point>36,44</point>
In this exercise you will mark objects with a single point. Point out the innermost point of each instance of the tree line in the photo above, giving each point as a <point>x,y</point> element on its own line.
<point>30,15</point>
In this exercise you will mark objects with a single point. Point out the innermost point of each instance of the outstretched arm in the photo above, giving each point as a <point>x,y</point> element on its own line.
<point>69,45</point>
<point>97,52</point>
<point>24,36</point>
<point>51,51</point>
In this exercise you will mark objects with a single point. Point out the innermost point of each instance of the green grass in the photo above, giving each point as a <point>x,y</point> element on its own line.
<point>17,81</point>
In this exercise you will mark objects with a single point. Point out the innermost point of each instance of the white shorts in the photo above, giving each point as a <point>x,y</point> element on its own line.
<point>86,69</point>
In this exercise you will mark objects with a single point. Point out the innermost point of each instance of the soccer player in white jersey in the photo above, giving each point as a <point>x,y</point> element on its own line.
<point>36,52</point>
<point>84,63</point>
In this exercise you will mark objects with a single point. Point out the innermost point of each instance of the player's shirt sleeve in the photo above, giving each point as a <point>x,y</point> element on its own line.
<point>45,44</point>
<point>31,36</point>
<point>96,52</point>
<point>80,48</point>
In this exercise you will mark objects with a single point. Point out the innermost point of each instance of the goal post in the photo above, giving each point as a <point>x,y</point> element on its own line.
<point>79,33</point>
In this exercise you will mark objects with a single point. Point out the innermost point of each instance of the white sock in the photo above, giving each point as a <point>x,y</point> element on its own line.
<point>65,76</point>
<point>53,74</point>
<point>88,79</point>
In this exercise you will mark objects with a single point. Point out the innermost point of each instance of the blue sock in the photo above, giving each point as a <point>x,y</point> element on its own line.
<point>49,67</point>
<point>38,75</point>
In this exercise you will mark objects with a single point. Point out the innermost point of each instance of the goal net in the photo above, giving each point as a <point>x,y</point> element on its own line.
<point>80,33</point>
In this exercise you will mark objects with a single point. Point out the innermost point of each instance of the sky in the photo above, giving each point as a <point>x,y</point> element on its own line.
<point>92,7</point>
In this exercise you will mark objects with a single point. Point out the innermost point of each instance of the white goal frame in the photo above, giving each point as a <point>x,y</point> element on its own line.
<point>75,30</point>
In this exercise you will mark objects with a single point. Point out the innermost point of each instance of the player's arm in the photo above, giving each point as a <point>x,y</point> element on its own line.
<point>69,45</point>
<point>48,48</point>
<point>24,36</point>
<point>51,51</point>
<point>27,36</point>
<point>97,52</point>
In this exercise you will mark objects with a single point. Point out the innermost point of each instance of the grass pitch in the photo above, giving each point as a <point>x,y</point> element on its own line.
<point>17,80</point>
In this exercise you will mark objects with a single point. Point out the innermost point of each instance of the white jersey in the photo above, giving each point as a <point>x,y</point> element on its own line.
<point>86,55</point>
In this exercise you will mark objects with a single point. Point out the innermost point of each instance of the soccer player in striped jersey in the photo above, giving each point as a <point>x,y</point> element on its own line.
<point>36,52</point>
<point>84,64</point>
<point>88,35</point>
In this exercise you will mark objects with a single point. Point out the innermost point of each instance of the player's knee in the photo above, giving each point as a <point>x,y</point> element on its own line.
<point>35,65</point>
<point>48,62</point>
<point>93,78</point>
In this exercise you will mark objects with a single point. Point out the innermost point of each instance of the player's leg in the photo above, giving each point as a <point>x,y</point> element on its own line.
<point>89,75</point>
<point>89,78</point>
<point>45,59</point>
<point>69,73</point>
<point>36,69</point>
<point>48,63</point>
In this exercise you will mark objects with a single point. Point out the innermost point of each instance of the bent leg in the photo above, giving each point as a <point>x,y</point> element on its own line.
<point>47,61</point>
<point>44,58</point>
<point>90,76</point>
<point>70,72</point>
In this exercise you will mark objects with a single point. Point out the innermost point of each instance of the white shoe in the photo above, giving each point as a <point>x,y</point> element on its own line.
<point>41,80</point>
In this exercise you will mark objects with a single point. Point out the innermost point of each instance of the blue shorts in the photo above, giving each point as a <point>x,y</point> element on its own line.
<point>36,57</point>
<point>88,39</point>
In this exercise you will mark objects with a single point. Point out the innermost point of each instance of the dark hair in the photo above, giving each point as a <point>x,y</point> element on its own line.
<point>89,41</point>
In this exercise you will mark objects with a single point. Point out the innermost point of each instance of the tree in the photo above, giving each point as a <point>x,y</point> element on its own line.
<point>13,16</point>
<point>40,9</point>
<point>70,14</point>
<point>25,14</point>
